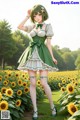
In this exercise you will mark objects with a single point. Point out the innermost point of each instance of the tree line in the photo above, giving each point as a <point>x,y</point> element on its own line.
<point>12,44</point>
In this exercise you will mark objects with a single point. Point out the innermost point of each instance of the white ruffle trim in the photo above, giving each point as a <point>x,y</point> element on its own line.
<point>35,63</point>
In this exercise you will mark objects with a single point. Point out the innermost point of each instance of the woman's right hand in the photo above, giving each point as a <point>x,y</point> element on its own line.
<point>29,12</point>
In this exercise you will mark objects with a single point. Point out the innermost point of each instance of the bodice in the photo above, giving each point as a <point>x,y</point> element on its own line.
<point>38,30</point>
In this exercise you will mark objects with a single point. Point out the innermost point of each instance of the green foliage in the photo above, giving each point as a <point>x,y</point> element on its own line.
<point>22,41</point>
<point>40,93</point>
<point>22,83</point>
<point>77,62</point>
<point>7,44</point>
<point>54,84</point>
<point>59,58</point>
<point>70,98</point>
<point>69,60</point>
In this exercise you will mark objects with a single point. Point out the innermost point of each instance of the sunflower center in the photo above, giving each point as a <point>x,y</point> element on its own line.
<point>19,82</point>
<point>26,89</point>
<point>17,102</point>
<point>3,106</point>
<point>73,109</point>
<point>70,89</point>
<point>9,92</point>
<point>4,90</point>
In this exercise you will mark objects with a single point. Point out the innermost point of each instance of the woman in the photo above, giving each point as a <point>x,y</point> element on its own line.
<point>38,56</point>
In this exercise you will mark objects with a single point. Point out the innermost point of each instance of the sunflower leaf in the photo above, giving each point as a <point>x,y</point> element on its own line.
<point>70,96</point>
<point>24,99</point>
<point>71,118</point>
<point>64,102</point>
<point>12,106</point>
<point>16,114</point>
<point>62,110</point>
<point>77,96</point>
<point>76,113</point>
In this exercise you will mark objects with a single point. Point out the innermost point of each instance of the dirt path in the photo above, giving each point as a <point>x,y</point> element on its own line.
<point>27,115</point>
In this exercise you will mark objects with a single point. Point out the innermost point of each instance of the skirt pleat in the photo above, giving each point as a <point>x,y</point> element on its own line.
<point>35,63</point>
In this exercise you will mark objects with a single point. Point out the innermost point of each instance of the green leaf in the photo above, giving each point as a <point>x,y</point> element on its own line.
<point>61,98</point>
<point>77,96</point>
<point>70,96</point>
<point>76,113</point>
<point>62,110</point>
<point>16,114</point>
<point>12,106</point>
<point>24,99</point>
<point>71,118</point>
<point>21,110</point>
<point>64,102</point>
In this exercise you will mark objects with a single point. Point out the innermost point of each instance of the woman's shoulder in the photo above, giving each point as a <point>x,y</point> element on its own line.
<point>48,25</point>
<point>49,29</point>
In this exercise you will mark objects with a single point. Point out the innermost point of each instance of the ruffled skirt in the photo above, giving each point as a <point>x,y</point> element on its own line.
<point>35,63</point>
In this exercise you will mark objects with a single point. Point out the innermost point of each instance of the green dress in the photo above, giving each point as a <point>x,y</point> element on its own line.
<point>37,56</point>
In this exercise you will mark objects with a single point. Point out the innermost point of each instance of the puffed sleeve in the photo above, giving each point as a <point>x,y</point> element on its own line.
<point>29,28</point>
<point>49,31</point>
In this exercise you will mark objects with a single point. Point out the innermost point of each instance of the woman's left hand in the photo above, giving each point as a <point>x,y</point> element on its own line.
<point>55,61</point>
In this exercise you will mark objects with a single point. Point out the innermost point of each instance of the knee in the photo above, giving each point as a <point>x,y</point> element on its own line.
<point>33,84</point>
<point>43,83</point>
<point>33,81</point>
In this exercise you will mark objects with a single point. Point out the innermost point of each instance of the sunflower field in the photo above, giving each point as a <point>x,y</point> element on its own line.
<point>15,93</point>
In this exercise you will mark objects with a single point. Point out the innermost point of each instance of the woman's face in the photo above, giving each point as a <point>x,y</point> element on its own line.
<point>38,17</point>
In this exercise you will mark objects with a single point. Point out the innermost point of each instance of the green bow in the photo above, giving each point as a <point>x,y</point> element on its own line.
<point>35,43</point>
<point>39,25</point>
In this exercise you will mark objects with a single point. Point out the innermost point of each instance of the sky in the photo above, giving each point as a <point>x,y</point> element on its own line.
<point>64,18</point>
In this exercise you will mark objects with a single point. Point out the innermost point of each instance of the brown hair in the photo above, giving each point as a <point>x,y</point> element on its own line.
<point>39,9</point>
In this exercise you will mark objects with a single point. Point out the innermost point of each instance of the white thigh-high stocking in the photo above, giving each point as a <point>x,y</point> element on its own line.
<point>33,94</point>
<point>47,91</point>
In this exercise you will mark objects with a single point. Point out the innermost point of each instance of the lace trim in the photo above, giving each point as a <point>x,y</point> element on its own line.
<point>43,65</point>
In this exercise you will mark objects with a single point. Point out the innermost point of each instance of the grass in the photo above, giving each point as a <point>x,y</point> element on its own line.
<point>45,111</point>
<point>44,108</point>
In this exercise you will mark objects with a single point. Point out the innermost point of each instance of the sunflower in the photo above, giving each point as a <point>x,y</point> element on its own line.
<point>6,76</point>
<point>38,82</point>
<point>72,108</point>
<point>4,105</point>
<point>0,96</point>
<point>3,90</point>
<point>0,78</point>
<point>5,82</point>
<point>26,89</point>
<point>75,83</point>
<point>17,75</point>
<point>18,103</point>
<point>19,92</point>
<point>24,84</point>
<point>9,74</point>
<point>9,92</point>
<point>20,82</point>
<point>13,84</point>
<point>70,88</point>
<point>59,84</point>
<point>23,75</point>
<point>63,89</point>
<point>63,81</point>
